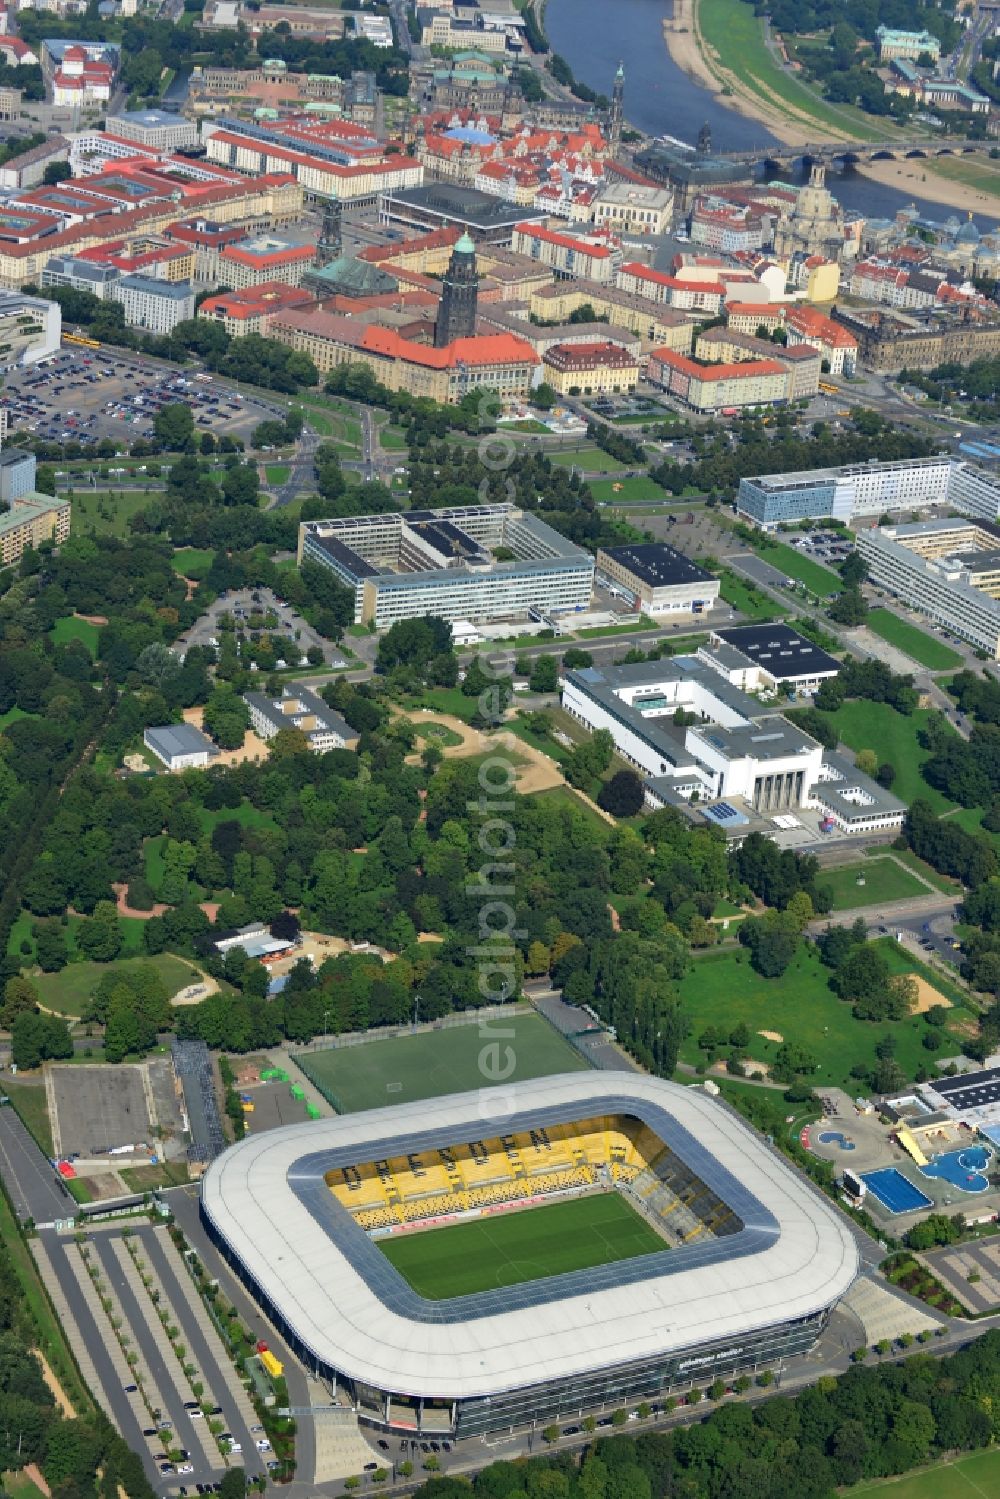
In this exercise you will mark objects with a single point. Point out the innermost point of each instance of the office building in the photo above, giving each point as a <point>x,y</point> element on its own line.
<point>868,489</point>
<point>300,708</point>
<point>443,562</point>
<point>30,329</point>
<point>948,570</point>
<point>17,474</point>
<point>157,306</point>
<point>157,129</point>
<point>659,579</point>
<point>595,256</point>
<point>32,519</point>
<point>81,275</point>
<point>718,387</point>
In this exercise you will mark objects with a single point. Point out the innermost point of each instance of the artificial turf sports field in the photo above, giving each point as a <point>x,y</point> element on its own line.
<point>529,1244</point>
<point>409,1068</point>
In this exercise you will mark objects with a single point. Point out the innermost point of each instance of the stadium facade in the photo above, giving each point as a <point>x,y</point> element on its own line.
<point>444,562</point>
<point>753,1258</point>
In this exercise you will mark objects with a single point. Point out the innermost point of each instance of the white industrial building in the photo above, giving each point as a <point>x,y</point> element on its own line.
<point>947,569</point>
<point>766,658</point>
<point>443,562</point>
<point>180,746</point>
<point>658,578</point>
<point>739,751</point>
<point>868,489</point>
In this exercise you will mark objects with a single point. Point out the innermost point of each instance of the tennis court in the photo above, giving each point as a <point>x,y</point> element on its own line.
<point>894,1191</point>
<point>405,1069</point>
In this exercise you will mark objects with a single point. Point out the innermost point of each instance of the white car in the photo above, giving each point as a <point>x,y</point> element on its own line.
<point>185,1467</point>
<point>263,1445</point>
<point>235,1447</point>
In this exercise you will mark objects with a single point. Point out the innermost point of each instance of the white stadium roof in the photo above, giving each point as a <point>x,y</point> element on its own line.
<point>267,1199</point>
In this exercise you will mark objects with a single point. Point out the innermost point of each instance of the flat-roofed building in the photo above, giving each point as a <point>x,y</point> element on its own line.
<point>443,562</point>
<point>947,569</point>
<point>30,329</point>
<point>157,306</point>
<point>595,256</point>
<point>854,489</point>
<point>180,746</point>
<point>17,474</point>
<point>81,275</point>
<point>659,579</point>
<point>155,128</point>
<point>32,519</point>
<point>771,656</point>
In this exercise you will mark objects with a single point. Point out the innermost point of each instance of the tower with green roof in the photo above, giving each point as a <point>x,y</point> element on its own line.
<point>456,316</point>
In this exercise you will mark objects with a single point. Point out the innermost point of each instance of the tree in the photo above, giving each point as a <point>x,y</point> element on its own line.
<point>623,795</point>
<point>544,674</point>
<point>849,608</point>
<point>56,171</point>
<point>173,425</point>
<point>100,936</point>
<point>19,996</point>
<point>227,717</point>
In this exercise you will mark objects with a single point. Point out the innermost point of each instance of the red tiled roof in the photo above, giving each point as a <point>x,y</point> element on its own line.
<point>566,241</point>
<point>747,369</point>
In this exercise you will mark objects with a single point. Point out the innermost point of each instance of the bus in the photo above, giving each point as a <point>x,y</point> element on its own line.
<point>78,338</point>
<point>828,389</point>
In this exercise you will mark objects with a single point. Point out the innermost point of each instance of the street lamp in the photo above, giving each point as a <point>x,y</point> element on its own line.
<point>326,1024</point>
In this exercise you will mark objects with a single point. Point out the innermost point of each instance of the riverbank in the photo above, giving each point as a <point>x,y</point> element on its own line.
<point>979,193</point>
<point>755,87</point>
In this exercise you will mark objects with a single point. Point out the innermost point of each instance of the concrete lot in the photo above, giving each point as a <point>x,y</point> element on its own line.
<point>953,1268</point>
<point>98,1108</point>
<point>273,1106</point>
<point>87,395</point>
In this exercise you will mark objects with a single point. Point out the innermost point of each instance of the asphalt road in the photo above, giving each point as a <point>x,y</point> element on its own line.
<point>33,1187</point>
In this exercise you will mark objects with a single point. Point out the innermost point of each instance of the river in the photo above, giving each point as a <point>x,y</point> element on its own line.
<point>660,99</point>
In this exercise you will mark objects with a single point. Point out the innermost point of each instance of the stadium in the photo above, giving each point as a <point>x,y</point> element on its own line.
<point>610,1237</point>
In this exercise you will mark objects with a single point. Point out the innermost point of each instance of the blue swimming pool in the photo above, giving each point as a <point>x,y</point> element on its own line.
<point>894,1191</point>
<point>834,1137</point>
<point>964,1169</point>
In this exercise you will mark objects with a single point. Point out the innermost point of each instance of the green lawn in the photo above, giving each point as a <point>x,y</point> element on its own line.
<point>618,491</point>
<point>748,600</point>
<point>884,882</point>
<point>249,816</point>
<point>914,642</point>
<point>277,474</point>
<point>893,737</point>
<point>565,796</point>
<point>975,1476</point>
<point>192,562</point>
<point>107,514</point>
<point>13,714</point>
<point>21,932</point>
<point>508,1249</point>
<point>393,439</point>
<point>30,1102</point>
<point>69,991</point>
<point>446,700</point>
<point>818,579</point>
<point>734,32</point>
<point>645,623</point>
<point>721,989</point>
<point>71,628</point>
<point>437,733</point>
<point>591,460</point>
<point>436,1062</point>
<point>908,857</point>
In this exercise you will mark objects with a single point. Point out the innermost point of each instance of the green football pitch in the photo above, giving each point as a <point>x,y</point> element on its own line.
<point>508,1248</point>
<point>431,1063</point>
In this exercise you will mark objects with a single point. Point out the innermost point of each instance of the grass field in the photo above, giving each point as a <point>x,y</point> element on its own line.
<point>590,460</point>
<point>249,816</point>
<point>916,643</point>
<point>975,1476</point>
<point>508,1249</point>
<point>884,881</point>
<point>71,628</point>
<point>192,562</point>
<point>107,514</point>
<point>20,932</point>
<point>68,991</point>
<point>408,1068</point>
<point>28,1100</point>
<point>893,736</point>
<point>277,474</point>
<point>620,491</point>
<point>744,597</point>
<point>939,881</point>
<point>720,989</point>
<point>565,796</point>
<point>818,579</point>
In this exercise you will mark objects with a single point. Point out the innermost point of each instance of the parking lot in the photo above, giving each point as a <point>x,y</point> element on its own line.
<point>92,395</point>
<point>245,603</point>
<point>128,1306</point>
